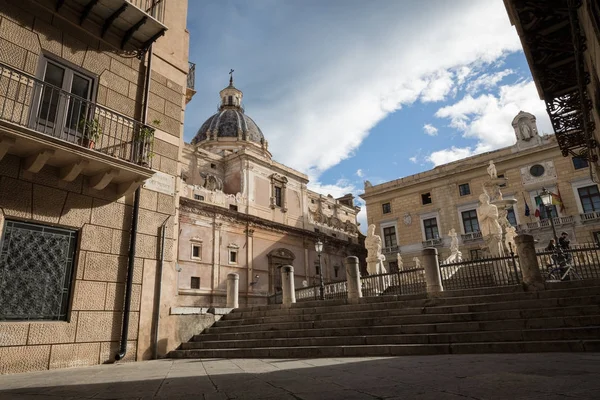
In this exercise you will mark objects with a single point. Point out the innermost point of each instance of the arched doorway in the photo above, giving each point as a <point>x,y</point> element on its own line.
<point>277,259</point>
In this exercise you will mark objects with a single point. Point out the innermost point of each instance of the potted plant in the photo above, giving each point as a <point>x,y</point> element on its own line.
<point>144,143</point>
<point>91,131</point>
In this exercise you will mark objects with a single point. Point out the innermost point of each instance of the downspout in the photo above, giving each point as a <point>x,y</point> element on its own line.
<point>134,224</point>
<point>163,230</point>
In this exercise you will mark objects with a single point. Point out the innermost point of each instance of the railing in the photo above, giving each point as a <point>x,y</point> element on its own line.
<point>391,249</point>
<point>545,223</point>
<point>483,272</point>
<point>333,290</point>
<point>471,236</point>
<point>47,109</point>
<point>411,281</point>
<point>591,216</point>
<point>191,77</point>
<point>584,258</point>
<point>432,242</point>
<point>154,8</point>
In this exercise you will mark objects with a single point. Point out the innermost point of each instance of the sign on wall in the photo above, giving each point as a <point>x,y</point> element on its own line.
<point>161,182</point>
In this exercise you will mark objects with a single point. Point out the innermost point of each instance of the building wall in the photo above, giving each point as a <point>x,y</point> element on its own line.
<point>102,219</point>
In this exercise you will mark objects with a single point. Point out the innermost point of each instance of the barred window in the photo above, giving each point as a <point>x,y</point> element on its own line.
<point>464,189</point>
<point>36,271</point>
<point>386,208</point>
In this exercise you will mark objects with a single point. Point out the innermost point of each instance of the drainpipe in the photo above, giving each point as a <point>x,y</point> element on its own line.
<point>134,224</point>
<point>163,230</point>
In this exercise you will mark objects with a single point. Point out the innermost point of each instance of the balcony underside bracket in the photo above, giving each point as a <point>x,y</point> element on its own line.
<point>68,173</point>
<point>5,144</point>
<point>35,162</point>
<point>86,11</point>
<point>132,30</point>
<point>109,21</point>
<point>101,180</point>
<point>126,188</point>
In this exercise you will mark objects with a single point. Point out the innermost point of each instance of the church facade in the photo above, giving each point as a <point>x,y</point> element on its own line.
<point>421,210</point>
<point>243,212</point>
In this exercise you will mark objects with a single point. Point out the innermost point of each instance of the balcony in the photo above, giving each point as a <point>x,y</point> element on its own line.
<point>46,125</point>
<point>191,81</point>
<point>589,217</point>
<point>471,237</point>
<point>127,24</point>
<point>545,223</point>
<point>391,249</point>
<point>437,242</point>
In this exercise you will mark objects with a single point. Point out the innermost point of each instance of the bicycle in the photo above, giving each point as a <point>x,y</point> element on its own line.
<point>562,270</point>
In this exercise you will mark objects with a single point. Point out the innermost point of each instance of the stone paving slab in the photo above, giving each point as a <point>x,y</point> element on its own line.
<point>545,376</point>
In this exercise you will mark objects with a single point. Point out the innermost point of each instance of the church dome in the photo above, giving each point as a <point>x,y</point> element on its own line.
<point>230,121</point>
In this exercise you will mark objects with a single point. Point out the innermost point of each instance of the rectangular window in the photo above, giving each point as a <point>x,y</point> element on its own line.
<point>195,282</point>
<point>233,207</point>
<point>386,208</point>
<point>511,217</point>
<point>232,256</point>
<point>317,270</point>
<point>464,189</point>
<point>389,236</point>
<point>196,252</point>
<point>277,196</point>
<point>36,271</point>
<point>431,228</point>
<point>579,163</point>
<point>476,254</point>
<point>62,107</point>
<point>198,197</point>
<point>336,271</point>
<point>590,198</point>
<point>470,221</point>
<point>426,198</point>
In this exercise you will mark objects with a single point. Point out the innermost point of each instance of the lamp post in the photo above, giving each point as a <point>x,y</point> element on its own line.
<point>319,250</point>
<point>546,198</point>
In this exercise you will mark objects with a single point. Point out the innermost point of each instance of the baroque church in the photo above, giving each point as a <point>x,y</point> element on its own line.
<point>243,212</point>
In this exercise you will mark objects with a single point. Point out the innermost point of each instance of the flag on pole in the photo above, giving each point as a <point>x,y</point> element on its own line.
<point>557,200</point>
<point>538,206</point>
<point>527,212</point>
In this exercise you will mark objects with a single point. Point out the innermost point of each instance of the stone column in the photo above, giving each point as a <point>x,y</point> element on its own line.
<point>353,278</point>
<point>432,270</point>
<point>216,259</point>
<point>250,258</point>
<point>287,284</point>
<point>532,278</point>
<point>233,286</point>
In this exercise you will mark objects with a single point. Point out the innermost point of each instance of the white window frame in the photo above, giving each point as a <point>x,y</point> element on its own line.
<point>465,207</point>
<point>233,248</point>
<point>430,215</point>
<point>580,183</point>
<point>387,225</point>
<point>192,245</point>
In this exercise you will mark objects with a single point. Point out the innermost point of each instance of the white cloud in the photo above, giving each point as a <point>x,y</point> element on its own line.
<point>487,119</point>
<point>317,100</point>
<point>487,81</point>
<point>413,159</point>
<point>430,130</point>
<point>360,173</point>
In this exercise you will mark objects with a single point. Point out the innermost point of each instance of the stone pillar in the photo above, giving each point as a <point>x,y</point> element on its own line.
<point>287,284</point>
<point>532,278</point>
<point>353,278</point>
<point>233,286</point>
<point>432,270</point>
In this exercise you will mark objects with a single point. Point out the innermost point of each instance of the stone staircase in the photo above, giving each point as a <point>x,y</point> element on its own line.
<point>565,317</point>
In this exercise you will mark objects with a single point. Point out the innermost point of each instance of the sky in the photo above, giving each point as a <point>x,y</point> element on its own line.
<point>353,90</point>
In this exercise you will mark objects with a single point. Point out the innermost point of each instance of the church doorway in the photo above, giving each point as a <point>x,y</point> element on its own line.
<point>277,259</point>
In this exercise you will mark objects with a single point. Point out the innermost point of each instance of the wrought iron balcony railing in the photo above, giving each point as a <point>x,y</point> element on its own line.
<point>191,78</point>
<point>52,111</point>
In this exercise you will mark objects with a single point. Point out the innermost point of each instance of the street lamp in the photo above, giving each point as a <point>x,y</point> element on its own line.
<point>546,198</point>
<point>319,250</point>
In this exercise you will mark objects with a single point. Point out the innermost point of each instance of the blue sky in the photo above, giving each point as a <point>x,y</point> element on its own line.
<point>349,90</point>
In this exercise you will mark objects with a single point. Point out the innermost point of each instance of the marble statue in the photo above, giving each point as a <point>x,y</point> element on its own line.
<point>455,254</point>
<point>417,262</point>
<point>400,263</point>
<point>487,214</point>
<point>374,257</point>
<point>491,170</point>
<point>509,238</point>
<point>525,131</point>
<point>368,184</point>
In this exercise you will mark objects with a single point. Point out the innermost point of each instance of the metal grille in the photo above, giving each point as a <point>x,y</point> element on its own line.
<point>36,265</point>
<point>481,272</point>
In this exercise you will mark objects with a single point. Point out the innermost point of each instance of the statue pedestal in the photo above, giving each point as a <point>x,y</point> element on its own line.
<point>374,266</point>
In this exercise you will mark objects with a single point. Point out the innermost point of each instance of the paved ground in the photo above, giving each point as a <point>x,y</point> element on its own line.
<point>495,376</point>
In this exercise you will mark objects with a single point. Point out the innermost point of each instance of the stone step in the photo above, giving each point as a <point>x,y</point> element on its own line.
<point>310,330</point>
<point>414,311</point>
<point>435,338</point>
<point>391,302</point>
<point>392,349</point>
<point>240,325</point>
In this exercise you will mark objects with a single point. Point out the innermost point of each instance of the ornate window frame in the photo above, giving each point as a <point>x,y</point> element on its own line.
<point>233,249</point>
<point>430,215</point>
<point>195,242</point>
<point>280,182</point>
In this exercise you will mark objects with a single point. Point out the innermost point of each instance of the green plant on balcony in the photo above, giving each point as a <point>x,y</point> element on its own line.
<point>91,130</point>
<point>144,142</point>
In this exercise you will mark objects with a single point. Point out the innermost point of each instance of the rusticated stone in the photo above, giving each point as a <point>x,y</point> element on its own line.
<point>49,36</point>
<point>12,54</point>
<point>15,197</point>
<point>19,35</point>
<point>89,295</point>
<point>166,204</point>
<point>115,297</point>
<point>108,350</point>
<point>49,176</point>
<point>96,62</point>
<point>98,326</point>
<point>148,199</point>
<point>114,82</point>
<point>120,242</point>
<point>74,355</point>
<point>13,333</point>
<point>48,203</point>
<point>23,359</point>
<point>53,331</point>
<point>147,246</point>
<point>77,211</point>
<point>124,71</point>
<point>96,238</point>
<point>105,267</point>
<point>9,165</point>
<point>111,214</point>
